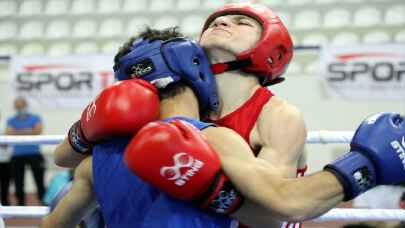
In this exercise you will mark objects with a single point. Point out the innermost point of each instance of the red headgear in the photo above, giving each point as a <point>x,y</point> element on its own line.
<point>273,52</point>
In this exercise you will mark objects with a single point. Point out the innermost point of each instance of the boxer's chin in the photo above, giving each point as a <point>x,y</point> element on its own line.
<point>211,41</point>
<point>217,47</point>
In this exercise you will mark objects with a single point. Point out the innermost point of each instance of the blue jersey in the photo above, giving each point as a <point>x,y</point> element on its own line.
<point>126,201</point>
<point>21,122</point>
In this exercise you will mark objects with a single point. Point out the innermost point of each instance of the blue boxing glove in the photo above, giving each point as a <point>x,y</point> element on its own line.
<point>376,157</point>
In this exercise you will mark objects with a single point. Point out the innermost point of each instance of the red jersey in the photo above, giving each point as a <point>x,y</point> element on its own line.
<point>243,119</point>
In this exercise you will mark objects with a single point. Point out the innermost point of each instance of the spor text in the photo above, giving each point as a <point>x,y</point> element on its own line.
<point>380,71</point>
<point>28,81</point>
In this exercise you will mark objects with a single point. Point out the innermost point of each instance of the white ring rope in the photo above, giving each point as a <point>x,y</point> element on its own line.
<point>30,139</point>
<point>314,137</point>
<point>326,137</point>
<point>23,211</point>
<point>337,214</point>
<point>354,214</point>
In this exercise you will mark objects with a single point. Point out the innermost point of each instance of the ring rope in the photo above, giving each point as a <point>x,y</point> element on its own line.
<point>356,214</point>
<point>336,214</point>
<point>30,139</point>
<point>23,211</point>
<point>314,137</point>
<point>328,137</point>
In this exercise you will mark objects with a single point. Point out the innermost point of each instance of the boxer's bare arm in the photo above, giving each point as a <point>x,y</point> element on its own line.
<point>76,203</point>
<point>277,197</point>
<point>65,156</point>
<point>282,134</point>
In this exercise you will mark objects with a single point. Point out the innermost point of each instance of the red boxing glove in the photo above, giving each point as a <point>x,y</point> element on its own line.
<point>175,158</point>
<point>120,109</point>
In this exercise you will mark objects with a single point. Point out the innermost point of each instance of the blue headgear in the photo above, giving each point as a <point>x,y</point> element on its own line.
<point>165,62</point>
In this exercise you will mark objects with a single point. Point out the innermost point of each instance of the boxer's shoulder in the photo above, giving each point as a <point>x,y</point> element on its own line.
<point>281,133</point>
<point>278,113</point>
<point>279,107</point>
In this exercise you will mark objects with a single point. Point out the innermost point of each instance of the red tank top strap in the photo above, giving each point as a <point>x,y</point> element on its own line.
<point>259,99</point>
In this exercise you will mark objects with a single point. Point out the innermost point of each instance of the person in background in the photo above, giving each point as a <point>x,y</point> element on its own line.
<point>5,173</point>
<point>25,123</point>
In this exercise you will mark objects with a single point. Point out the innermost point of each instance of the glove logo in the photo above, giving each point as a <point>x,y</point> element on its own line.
<point>181,160</point>
<point>363,178</point>
<point>399,147</point>
<point>91,110</point>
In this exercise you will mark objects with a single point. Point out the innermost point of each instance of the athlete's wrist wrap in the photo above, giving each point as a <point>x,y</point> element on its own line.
<point>222,198</point>
<point>77,140</point>
<point>355,172</point>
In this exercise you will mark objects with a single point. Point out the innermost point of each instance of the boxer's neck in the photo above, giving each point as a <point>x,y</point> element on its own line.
<point>183,104</point>
<point>234,89</point>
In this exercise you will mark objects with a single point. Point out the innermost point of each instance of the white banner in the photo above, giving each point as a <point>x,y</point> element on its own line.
<point>60,82</point>
<point>364,72</point>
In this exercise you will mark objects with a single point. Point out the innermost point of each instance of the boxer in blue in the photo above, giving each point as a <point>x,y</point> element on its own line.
<point>138,204</point>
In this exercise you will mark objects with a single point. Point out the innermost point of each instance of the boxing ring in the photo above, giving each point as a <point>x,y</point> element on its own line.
<point>314,137</point>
